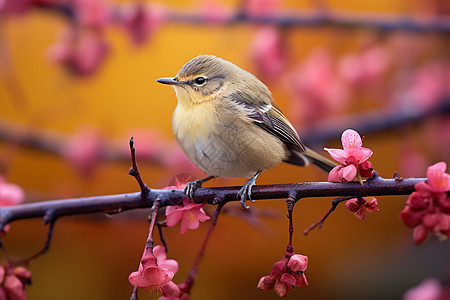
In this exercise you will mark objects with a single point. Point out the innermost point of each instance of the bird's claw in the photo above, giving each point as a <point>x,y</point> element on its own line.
<point>246,192</point>
<point>190,188</point>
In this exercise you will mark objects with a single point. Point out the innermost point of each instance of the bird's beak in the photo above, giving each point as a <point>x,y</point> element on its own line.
<point>171,81</point>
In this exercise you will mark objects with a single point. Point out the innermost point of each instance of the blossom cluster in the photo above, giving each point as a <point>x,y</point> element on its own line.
<point>285,275</point>
<point>428,208</point>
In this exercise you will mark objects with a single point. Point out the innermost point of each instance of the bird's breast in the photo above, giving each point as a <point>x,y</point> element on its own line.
<point>191,123</point>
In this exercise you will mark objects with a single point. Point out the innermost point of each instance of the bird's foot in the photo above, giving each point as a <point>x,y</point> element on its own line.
<point>246,191</point>
<point>190,187</point>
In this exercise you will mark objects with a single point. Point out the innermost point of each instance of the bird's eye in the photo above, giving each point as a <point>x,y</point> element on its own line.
<point>200,81</point>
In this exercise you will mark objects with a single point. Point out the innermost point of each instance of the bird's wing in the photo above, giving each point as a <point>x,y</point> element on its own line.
<point>271,119</point>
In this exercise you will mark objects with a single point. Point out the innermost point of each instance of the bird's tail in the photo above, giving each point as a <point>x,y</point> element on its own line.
<point>309,156</point>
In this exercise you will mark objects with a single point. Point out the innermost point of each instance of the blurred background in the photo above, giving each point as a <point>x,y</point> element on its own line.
<point>77,80</point>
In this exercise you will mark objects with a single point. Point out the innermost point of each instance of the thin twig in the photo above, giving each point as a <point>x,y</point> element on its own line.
<point>188,283</point>
<point>134,170</point>
<point>334,204</point>
<point>290,202</point>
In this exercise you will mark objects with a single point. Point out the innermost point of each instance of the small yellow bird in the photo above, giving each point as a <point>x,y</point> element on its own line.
<point>227,125</point>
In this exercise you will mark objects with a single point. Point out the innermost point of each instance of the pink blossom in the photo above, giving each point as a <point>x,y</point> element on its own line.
<point>359,207</point>
<point>154,269</point>
<point>429,289</point>
<point>342,173</point>
<point>82,151</point>
<point>353,151</point>
<point>14,6</point>
<point>438,180</point>
<point>82,52</point>
<point>141,20</point>
<point>365,67</point>
<point>214,11</point>
<point>261,7</point>
<point>10,194</point>
<point>307,82</point>
<point>354,158</point>
<point>190,214</point>
<point>420,234</point>
<point>268,52</point>
<point>92,13</point>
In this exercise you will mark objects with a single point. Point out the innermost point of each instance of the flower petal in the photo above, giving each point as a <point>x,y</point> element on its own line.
<point>337,154</point>
<point>438,180</point>
<point>349,173</point>
<point>160,253</point>
<point>170,264</point>
<point>351,139</point>
<point>173,217</point>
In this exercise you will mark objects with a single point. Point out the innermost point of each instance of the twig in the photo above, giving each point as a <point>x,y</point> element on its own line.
<point>134,170</point>
<point>124,202</point>
<point>188,283</point>
<point>334,204</point>
<point>290,202</point>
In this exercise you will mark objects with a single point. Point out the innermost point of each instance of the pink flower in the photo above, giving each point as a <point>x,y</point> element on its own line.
<point>82,52</point>
<point>285,275</point>
<point>154,269</point>
<point>307,82</point>
<point>354,158</point>
<point>14,6</point>
<point>92,13</point>
<point>214,11</point>
<point>359,207</point>
<point>438,180</point>
<point>353,152</point>
<point>83,150</point>
<point>365,67</point>
<point>141,20</point>
<point>10,193</point>
<point>190,214</point>
<point>342,173</point>
<point>429,289</point>
<point>268,52</point>
<point>261,7</point>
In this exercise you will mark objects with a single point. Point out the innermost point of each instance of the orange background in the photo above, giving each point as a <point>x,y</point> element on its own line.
<point>92,256</point>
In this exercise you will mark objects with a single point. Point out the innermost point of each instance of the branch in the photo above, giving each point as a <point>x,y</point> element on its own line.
<point>122,202</point>
<point>317,18</point>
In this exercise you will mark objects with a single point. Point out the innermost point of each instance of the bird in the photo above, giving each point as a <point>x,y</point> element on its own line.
<point>227,124</point>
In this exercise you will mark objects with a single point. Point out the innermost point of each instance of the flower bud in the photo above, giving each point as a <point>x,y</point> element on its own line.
<point>266,283</point>
<point>420,234</point>
<point>170,289</point>
<point>281,289</point>
<point>288,279</point>
<point>298,263</point>
<point>278,268</point>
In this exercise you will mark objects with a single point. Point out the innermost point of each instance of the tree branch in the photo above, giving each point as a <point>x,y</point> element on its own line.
<point>312,18</point>
<point>122,202</point>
